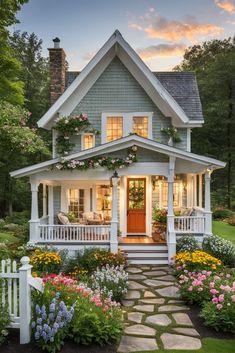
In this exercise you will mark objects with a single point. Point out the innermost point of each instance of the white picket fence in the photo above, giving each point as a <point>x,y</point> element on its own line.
<point>16,294</point>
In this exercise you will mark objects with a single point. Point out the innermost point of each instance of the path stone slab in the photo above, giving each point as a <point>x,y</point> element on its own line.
<point>132,294</point>
<point>156,283</point>
<point>170,292</point>
<point>172,307</point>
<point>135,317</point>
<point>173,301</point>
<point>154,273</point>
<point>158,319</point>
<point>153,301</point>
<point>135,285</point>
<point>128,303</point>
<point>167,278</point>
<point>145,308</point>
<point>145,268</point>
<point>182,319</point>
<point>137,276</point>
<point>134,270</point>
<point>148,294</point>
<point>137,344</point>
<point>186,331</point>
<point>140,330</point>
<point>173,341</point>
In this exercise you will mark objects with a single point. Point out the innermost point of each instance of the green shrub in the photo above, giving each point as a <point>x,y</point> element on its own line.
<point>10,227</point>
<point>4,251</point>
<point>220,248</point>
<point>231,221</point>
<point>18,218</point>
<point>4,320</point>
<point>222,213</point>
<point>187,243</point>
<point>91,258</point>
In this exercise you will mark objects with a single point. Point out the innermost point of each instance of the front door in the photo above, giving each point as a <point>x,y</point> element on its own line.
<point>136,205</point>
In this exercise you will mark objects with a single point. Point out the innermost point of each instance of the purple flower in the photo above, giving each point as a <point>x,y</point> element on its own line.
<point>52,308</point>
<point>36,335</point>
<point>39,321</point>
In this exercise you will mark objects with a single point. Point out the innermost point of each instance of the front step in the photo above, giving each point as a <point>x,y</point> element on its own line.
<point>146,253</point>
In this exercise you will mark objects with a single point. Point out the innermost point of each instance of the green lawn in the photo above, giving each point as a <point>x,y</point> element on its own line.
<point>7,237</point>
<point>224,230</point>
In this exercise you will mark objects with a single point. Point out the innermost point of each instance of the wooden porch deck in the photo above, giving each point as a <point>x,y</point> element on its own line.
<point>138,240</point>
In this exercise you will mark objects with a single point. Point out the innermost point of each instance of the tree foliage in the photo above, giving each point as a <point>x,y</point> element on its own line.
<point>34,73</point>
<point>11,88</point>
<point>214,64</point>
<point>19,146</point>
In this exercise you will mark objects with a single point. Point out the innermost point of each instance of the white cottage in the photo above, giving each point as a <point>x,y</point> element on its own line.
<point>121,148</point>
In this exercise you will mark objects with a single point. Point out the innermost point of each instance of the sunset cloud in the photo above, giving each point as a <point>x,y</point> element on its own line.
<point>157,26</point>
<point>161,50</point>
<point>228,6</point>
<point>89,55</point>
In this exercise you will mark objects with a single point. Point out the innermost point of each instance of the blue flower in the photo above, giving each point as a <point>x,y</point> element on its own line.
<point>44,336</point>
<point>39,321</point>
<point>43,309</point>
<point>52,308</point>
<point>33,324</point>
<point>39,328</point>
<point>38,310</point>
<point>44,316</point>
<point>36,335</point>
<point>51,317</point>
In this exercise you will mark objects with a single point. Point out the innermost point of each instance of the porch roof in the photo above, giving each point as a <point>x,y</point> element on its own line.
<point>122,143</point>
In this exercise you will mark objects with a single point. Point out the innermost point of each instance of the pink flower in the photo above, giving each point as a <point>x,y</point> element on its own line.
<point>213,291</point>
<point>200,289</point>
<point>233,298</point>
<point>219,306</point>
<point>190,289</point>
<point>221,298</point>
<point>215,300</point>
<point>212,284</point>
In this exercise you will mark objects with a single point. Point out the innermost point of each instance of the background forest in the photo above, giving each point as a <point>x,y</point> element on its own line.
<point>24,98</point>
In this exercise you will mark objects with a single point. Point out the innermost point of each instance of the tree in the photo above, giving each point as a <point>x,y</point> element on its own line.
<point>19,146</point>
<point>34,73</point>
<point>214,63</point>
<point>11,88</point>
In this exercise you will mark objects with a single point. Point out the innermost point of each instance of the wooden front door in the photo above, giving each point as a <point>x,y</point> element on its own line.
<point>136,205</point>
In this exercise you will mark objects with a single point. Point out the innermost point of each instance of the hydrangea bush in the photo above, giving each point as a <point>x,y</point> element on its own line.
<point>50,324</point>
<point>186,243</point>
<point>111,279</point>
<point>221,248</point>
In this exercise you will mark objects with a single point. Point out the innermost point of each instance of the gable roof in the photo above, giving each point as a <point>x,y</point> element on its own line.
<point>182,86</point>
<point>122,143</point>
<point>115,46</point>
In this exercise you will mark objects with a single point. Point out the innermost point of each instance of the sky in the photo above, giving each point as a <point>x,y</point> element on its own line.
<point>159,30</point>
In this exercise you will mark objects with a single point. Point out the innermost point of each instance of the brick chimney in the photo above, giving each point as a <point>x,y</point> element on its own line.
<point>57,70</point>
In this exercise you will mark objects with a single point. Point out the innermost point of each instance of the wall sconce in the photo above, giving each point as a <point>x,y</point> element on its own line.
<point>114,180</point>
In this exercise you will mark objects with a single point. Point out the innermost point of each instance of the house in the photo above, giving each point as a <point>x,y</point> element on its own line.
<point>121,147</point>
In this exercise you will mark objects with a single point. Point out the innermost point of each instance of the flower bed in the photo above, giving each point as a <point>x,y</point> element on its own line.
<point>203,280</point>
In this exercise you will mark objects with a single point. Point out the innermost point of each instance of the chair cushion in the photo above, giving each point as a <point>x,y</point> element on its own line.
<point>63,219</point>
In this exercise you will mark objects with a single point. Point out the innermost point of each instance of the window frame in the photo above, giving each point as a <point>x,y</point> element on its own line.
<point>127,123</point>
<point>82,140</point>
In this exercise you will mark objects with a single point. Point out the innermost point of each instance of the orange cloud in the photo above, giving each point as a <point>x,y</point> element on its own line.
<point>157,26</point>
<point>163,50</point>
<point>228,6</point>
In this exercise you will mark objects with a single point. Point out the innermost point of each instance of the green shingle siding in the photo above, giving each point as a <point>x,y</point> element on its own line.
<point>116,90</point>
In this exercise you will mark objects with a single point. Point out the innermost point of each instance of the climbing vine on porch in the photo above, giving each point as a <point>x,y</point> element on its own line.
<point>68,127</point>
<point>109,162</point>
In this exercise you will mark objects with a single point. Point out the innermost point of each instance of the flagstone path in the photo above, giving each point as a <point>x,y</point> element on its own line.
<point>154,315</point>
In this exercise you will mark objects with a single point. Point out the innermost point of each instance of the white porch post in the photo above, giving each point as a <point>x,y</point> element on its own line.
<point>171,237</point>
<point>50,205</point>
<point>114,221</point>
<point>208,213</point>
<point>34,221</point>
<point>200,191</point>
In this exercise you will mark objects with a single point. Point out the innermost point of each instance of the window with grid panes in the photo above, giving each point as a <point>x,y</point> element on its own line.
<point>140,126</point>
<point>114,127</point>
<point>76,201</point>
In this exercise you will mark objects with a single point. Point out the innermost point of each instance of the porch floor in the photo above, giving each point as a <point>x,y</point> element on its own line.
<point>138,240</point>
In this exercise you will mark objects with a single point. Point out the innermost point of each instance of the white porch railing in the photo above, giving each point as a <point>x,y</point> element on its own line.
<point>189,224</point>
<point>74,233</point>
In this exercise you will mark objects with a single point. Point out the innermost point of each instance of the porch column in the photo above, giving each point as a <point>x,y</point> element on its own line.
<point>34,221</point>
<point>171,237</point>
<point>114,221</point>
<point>50,205</point>
<point>207,212</point>
<point>200,191</point>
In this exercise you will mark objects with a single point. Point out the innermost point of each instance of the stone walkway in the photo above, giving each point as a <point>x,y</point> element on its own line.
<point>154,315</point>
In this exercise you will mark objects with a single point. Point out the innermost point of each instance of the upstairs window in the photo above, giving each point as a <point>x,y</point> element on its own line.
<point>114,128</point>
<point>140,126</point>
<point>117,125</point>
<point>88,141</point>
